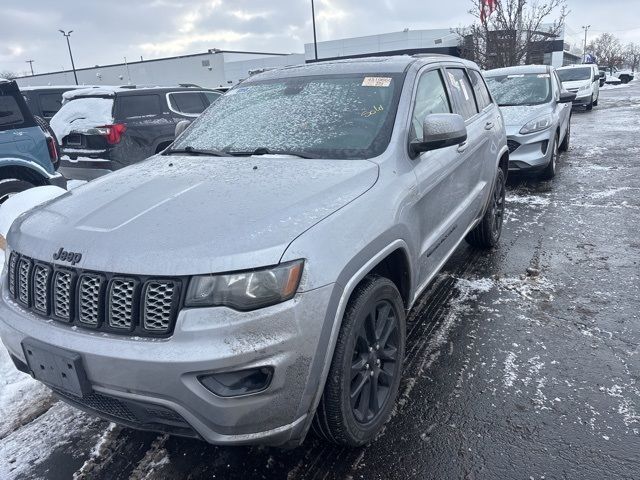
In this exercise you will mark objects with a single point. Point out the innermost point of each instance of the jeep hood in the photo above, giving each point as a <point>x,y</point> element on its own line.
<point>174,215</point>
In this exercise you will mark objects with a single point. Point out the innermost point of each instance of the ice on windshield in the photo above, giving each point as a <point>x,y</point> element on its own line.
<point>526,89</point>
<point>573,74</point>
<point>331,116</point>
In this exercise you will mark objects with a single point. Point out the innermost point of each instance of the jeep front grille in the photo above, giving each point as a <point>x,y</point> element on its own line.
<point>104,301</point>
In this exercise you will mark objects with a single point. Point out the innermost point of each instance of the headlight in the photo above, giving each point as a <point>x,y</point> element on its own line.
<point>584,88</point>
<point>537,125</point>
<point>248,290</point>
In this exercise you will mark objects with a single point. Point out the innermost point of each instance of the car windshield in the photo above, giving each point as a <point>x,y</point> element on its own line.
<point>573,74</point>
<point>520,89</point>
<point>329,116</point>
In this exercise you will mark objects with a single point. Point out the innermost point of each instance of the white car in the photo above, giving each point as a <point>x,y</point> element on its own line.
<point>584,81</point>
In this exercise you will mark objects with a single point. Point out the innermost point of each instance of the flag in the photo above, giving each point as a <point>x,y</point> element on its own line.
<point>487,7</point>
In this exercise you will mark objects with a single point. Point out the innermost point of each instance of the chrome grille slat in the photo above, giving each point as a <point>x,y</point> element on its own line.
<point>121,303</point>
<point>41,275</point>
<point>158,305</point>
<point>13,261</point>
<point>25,267</point>
<point>62,294</point>
<point>103,301</point>
<point>89,303</point>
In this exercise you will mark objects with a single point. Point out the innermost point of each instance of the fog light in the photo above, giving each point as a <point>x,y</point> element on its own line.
<point>242,382</point>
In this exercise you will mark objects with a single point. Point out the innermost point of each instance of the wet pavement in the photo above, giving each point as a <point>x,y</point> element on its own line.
<point>521,363</point>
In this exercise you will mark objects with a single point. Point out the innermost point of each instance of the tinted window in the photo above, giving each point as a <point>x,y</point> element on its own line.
<point>463,92</point>
<point>50,103</point>
<point>329,116</point>
<point>520,89</point>
<point>482,94</point>
<point>187,102</point>
<point>10,114</point>
<point>431,97</point>
<point>130,106</point>
<point>212,96</point>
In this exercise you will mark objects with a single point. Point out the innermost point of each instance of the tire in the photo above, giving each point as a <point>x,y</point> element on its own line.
<point>11,186</point>
<point>590,104</point>
<point>359,350</point>
<point>487,234</point>
<point>550,170</point>
<point>564,146</point>
<point>595,102</point>
<point>624,79</point>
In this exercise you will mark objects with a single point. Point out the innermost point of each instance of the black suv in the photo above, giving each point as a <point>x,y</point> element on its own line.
<point>102,129</point>
<point>45,101</point>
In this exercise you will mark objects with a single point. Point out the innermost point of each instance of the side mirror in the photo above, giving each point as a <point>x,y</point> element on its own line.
<point>566,97</point>
<point>181,126</point>
<point>596,77</point>
<point>440,130</point>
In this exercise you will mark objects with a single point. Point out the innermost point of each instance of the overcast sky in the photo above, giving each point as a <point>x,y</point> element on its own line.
<point>107,31</point>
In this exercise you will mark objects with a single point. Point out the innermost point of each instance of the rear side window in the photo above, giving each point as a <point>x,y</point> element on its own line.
<point>482,94</point>
<point>131,106</point>
<point>192,103</point>
<point>50,103</point>
<point>462,92</point>
<point>431,97</point>
<point>10,114</point>
<point>212,96</point>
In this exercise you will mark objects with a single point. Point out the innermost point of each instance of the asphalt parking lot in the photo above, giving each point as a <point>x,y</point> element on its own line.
<point>522,363</point>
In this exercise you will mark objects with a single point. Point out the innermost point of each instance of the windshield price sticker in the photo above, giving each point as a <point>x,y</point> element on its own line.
<point>376,81</point>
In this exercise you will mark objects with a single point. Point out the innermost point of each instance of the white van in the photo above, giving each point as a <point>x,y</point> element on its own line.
<point>584,81</point>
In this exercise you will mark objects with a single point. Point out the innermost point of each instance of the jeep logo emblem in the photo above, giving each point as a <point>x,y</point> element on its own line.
<point>65,256</point>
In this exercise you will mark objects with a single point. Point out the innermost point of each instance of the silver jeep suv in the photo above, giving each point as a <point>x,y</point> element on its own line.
<point>252,281</point>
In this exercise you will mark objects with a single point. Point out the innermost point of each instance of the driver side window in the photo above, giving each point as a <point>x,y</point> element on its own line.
<point>431,97</point>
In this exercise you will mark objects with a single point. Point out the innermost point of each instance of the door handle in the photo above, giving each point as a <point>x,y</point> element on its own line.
<point>488,126</point>
<point>462,147</point>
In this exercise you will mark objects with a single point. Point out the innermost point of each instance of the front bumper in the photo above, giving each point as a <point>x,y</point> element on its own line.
<point>583,98</point>
<point>144,372</point>
<point>532,151</point>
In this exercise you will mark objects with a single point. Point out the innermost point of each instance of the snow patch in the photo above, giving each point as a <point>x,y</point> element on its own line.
<point>510,370</point>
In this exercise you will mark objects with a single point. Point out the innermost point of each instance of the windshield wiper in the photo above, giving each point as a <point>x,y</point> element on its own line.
<point>195,151</point>
<point>266,151</point>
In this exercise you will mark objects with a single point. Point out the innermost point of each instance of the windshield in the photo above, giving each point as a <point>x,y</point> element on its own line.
<point>573,74</point>
<point>328,116</point>
<point>522,89</point>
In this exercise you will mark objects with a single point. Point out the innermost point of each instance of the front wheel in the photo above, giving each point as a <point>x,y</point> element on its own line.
<point>590,104</point>
<point>564,146</point>
<point>550,170</point>
<point>366,367</point>
<point>487,233</point>
<point>11,186</point>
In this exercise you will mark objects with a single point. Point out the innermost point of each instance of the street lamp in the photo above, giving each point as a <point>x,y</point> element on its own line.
<point>584,51</point>
<point>67,35</point>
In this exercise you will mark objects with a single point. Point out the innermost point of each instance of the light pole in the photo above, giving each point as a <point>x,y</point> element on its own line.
<point>67,35</point>
<point>30,62</point>
<point>584,51</point>
<point>313,19</point>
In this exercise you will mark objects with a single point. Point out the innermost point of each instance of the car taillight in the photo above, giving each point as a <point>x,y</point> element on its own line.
<point>53,151</point>
<point>112,133</point>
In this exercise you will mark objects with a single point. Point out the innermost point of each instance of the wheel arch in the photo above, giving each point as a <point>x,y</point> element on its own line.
<point>23,171</point>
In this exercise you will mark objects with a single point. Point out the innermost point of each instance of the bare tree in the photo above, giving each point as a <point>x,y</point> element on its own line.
<point>607,50</point>
<point>516,33</point>
<point>632,55</point>
<point>9,75</point>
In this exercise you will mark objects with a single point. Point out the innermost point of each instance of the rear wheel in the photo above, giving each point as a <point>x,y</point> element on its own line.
<point>550,170</point>
<point>11,186</point>
<point>367,364</point>
<point>487,233</point>
<point>624,79</point>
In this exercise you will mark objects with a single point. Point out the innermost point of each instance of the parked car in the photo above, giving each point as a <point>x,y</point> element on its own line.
<point>28,154</point>
<point>584,81</point>
<point>256,275</point>
<point>614,75</point>
<point>45,101</point>
<point>107,128</point>
<point>537,114</point>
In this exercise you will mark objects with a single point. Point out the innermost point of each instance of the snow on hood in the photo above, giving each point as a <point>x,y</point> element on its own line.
<point>81,114</point>
<point>519,115</point>
<point>175,215</point>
